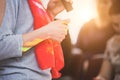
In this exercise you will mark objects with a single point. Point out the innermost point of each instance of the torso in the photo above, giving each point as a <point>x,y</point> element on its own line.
<point>17,21</point>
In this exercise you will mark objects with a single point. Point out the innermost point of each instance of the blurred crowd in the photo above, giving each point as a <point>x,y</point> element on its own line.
<point>96,55</point>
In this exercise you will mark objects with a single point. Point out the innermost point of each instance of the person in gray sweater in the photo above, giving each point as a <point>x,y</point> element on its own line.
<point>16,31</point>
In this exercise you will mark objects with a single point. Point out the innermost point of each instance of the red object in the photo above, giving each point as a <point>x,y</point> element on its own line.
<point>48,53</point>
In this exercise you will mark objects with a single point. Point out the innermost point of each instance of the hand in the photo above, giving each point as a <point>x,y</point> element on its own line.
<point>99,78</point>
<point>56,6</point>
<point>57,30</point>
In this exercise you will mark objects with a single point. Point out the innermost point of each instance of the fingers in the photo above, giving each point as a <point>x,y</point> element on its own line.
<point>65,0</point>
<point>59,38</point>
<point>66,21</point>
<point>58,29</point>
<point>69,1</point>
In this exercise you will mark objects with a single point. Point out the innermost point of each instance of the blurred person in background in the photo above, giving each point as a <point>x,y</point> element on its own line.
<point>111,64</point>
<point>92,40</point>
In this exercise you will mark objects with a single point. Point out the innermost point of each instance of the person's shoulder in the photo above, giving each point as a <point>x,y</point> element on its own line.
<point>89,24</point>
<point>14,3</point>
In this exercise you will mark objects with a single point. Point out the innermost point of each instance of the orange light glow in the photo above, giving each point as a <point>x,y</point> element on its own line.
<point>83,11</point>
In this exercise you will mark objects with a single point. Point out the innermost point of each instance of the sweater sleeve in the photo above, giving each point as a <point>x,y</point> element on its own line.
<point>10,45</point>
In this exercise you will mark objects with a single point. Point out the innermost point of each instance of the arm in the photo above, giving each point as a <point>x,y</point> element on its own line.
<point>55,30</point>
<point>106,69</point>
<point>33,38</point>
<point>105,72</point>
<point>53,8</point>
<point>11,44</point>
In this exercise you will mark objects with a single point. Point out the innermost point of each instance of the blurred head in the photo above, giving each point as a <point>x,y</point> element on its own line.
<point>103,7</point>
<point>115,15</point>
